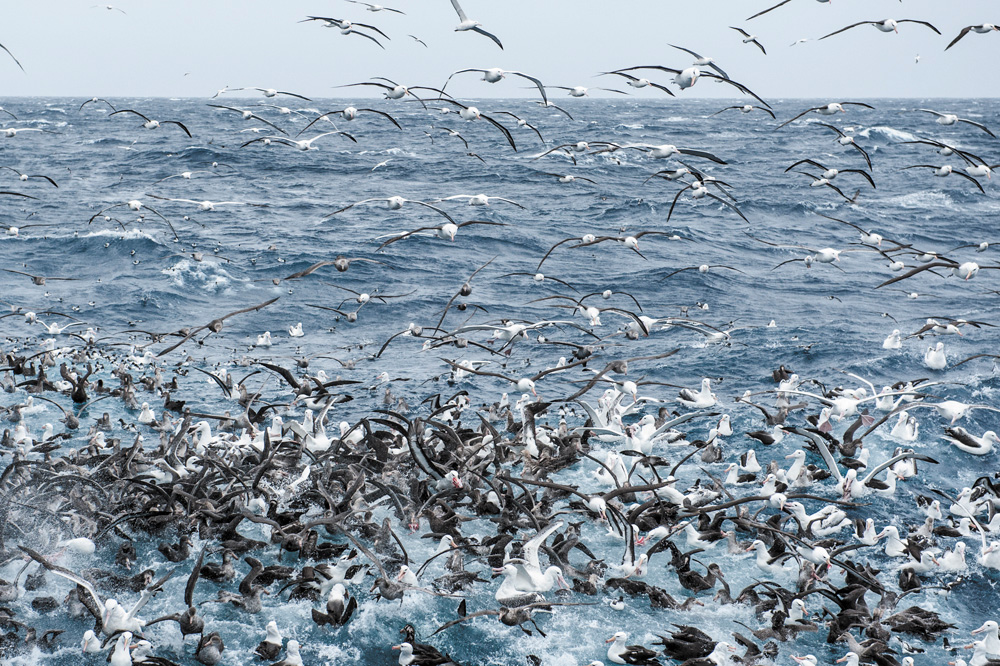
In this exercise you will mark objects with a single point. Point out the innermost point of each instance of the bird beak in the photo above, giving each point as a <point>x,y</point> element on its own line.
<point>979,630</point>
<point>610,640</point>
<point>397,647</point>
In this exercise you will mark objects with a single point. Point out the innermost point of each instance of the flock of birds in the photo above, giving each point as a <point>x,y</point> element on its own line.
<point>565,488</point>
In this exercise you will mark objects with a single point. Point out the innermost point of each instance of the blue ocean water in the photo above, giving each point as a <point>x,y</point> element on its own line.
<point>828,319</point>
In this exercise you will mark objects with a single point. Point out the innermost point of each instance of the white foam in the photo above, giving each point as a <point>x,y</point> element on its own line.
<point>881,131</point>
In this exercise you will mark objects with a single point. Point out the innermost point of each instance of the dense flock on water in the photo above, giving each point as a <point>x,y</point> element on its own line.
<point>423,379</point>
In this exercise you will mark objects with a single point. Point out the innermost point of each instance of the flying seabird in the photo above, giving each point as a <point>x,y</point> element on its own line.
<point>827,110</point>
<point>951,119</point>
<point>885,25</point>
<point>475,26</point>
<point>978,29</point>
<point>495,74</point>
<point>750,39</point>
<point>153,124</point>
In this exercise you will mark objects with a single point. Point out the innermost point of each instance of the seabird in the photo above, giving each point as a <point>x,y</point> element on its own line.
<point>151,124</point>
<point>951,118</point>
<point>885,25</point>
<point>981,29</point>
<point>750,39</point>
<point>468,24</point>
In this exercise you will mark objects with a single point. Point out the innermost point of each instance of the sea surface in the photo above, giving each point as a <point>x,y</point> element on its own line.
<point>828,318</point>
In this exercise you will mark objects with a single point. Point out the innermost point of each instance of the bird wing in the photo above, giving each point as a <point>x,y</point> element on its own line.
<point>864,174</point>
<point>183,127</point>
<point>770,9</point>
<point>383,113</point>
<point>506,132</point>
<point>405,234</point>
<point>541,88</point>
<point>702,154</point>
<point>214,106</point>
<point>918,269</point>
<point>738,211</point>
<point>676,197</point>
<point>65,573</point>
<point>736,84</point>
<point>802,114</point>
<point>371,27</point>
<point>827,125</point>
<point>291,94</point>
<point>130,111</point>
<point>824,450</point>
<point>921,23</point>
<point>892,461</point>
<point>741,31</point>
<point>808,161</point>
<point>488,34</point>
<point>664,88</point>
<point>193,578</point>
<point>452,623</point>
<point>853,25</point>
<point>18,61</point>
<point>283,140</point>
<point>963,33</point>
<point>862,151</point>
<point>267,122</point>
<point>979,125</point>
<point>970,179</point>
<point>366,35</point>
<point>533,544</point>
<point>835,189</point>
<point>458,8</point>
<point>315,267</point>
<point>434,208</point>
<point>565,240</point>
<point>696,55</point>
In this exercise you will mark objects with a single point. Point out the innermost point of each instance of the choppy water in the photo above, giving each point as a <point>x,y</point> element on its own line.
<point>827,320</point>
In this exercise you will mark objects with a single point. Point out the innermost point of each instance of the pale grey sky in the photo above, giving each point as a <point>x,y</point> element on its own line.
<point>191,48</point>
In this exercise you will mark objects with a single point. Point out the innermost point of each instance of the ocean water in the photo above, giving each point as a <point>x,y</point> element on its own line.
<point>828,319</point>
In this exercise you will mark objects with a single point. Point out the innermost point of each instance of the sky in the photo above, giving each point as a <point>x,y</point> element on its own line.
<point>191,48</point>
